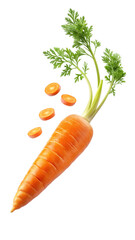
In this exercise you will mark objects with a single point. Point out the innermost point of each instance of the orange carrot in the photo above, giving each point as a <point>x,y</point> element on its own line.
<point>47,113</point>
<point>52,89</point>
<point>68,141</point>
<point>68,100</point>
<point>35,132</point>
<point>74,133</point>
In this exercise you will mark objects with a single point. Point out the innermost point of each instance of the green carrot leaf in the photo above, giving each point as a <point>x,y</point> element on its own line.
<point>96,44</point>
<point>85,67</point>
<point>114,69</point>
<point>66,71</point>
<point>78,77</point>
<point>77,28</point>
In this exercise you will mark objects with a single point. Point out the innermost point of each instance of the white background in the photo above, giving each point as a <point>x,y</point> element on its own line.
<point>95,198</point>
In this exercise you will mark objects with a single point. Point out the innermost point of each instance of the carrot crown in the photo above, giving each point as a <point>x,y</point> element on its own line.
<point>83,45</point>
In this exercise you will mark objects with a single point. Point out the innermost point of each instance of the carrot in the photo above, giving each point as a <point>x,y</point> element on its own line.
<point>74,133</point>
<point>68,100</point>
<point>67,142</point>
<point>47,113</point>
<point>52,89</point>
<point>35,132</point>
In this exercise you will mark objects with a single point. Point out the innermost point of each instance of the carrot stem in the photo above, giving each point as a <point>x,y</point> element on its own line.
<point>96,65</point>
<point>94,104</point>
<point>101,104</point>
<point>90,90</point>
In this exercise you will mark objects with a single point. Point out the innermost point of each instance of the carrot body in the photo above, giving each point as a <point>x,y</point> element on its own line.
<point>67,142</point>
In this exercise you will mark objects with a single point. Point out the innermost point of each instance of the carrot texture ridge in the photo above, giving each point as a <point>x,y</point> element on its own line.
<point>67,142</point>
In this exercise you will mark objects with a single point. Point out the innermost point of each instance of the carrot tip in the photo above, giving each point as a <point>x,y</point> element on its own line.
<point>13,209</point>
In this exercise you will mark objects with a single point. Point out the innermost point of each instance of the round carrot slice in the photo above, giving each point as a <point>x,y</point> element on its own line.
<point>52,89</point>
<point>68,100</point>
<point>35,132</point>
<point>47,113</point>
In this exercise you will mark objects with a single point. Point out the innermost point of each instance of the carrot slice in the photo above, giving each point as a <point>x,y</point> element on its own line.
<point>47,113</point>
<point>68,99</point>
<point>52,89</point>
<point>35,132</point>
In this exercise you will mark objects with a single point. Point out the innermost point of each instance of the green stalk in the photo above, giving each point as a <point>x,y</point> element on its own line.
<point>101,104</point>
<point>90,111</point>
<point>96,65</point>
<point>90,89</point>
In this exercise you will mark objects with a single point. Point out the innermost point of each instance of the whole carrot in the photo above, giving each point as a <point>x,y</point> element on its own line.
<point>74,133</point>
<point>68,141</point>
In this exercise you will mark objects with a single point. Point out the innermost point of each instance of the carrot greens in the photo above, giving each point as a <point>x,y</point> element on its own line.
<point>77,28</point>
